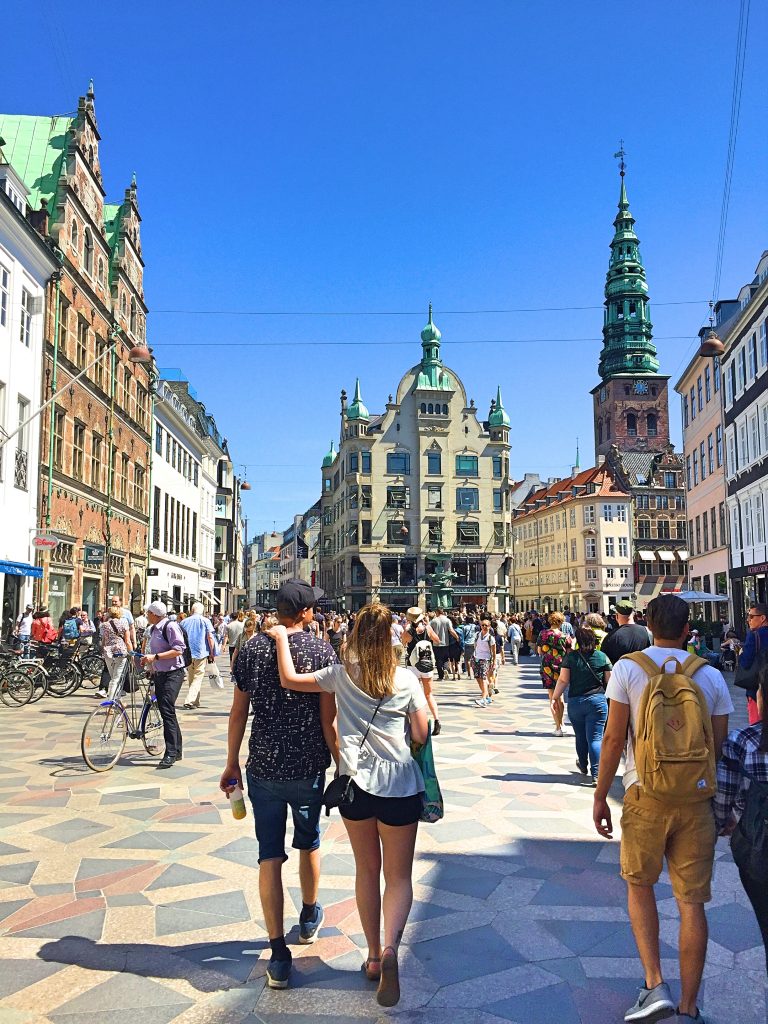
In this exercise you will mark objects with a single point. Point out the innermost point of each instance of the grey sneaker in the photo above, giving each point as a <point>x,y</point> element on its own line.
<point>652,1005</point>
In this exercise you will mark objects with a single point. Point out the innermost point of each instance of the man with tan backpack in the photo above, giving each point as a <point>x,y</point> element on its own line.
<point>670,709</point>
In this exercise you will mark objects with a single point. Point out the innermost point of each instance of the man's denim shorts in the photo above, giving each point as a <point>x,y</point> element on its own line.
<point>270,801</point>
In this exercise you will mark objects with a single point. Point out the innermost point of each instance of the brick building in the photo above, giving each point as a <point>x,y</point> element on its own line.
<point>95,442</point>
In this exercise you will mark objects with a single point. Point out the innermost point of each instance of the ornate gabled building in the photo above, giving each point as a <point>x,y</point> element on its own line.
<point>95,442</point>
<point>631,418</point>
<point>421,487</point>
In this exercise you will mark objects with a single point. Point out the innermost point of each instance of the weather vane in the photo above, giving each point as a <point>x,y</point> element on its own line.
<point>620,157</point>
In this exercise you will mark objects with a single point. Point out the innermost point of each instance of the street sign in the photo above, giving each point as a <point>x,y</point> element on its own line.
<point>153,572</point>
<point>93,554</point>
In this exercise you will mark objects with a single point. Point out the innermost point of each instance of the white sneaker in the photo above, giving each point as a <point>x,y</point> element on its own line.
<point>481,702</point>
<point>559,732</point>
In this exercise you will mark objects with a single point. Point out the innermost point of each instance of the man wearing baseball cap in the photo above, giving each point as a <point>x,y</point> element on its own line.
<point>287,760</point>
<point>628,636</point>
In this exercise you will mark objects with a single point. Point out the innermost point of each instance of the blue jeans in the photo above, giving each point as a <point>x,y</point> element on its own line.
<point>588,716</point>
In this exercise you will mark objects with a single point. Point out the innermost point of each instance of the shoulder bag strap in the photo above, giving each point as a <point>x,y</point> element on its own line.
<point>586,662</point>
<point>365,734</point>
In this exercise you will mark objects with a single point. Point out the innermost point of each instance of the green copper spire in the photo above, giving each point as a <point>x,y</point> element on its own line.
<point>330,458</point>
<point>499,417</point>
<point>578,464</point>
<point>357,411</point>
<point>627,329</point>
<point>432,374</point>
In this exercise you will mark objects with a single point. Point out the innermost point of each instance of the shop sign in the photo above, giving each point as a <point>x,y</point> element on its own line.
<point>45,540</point>
<point>93,554</point>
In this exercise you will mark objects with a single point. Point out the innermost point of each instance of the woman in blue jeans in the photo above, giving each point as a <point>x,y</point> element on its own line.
<point>585,672</point>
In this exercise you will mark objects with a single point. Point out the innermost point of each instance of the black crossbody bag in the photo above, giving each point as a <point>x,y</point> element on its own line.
<point>340,791</point>
<point>598,679</point>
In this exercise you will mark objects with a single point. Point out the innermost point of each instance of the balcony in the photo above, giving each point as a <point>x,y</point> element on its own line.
<point>20,467</point>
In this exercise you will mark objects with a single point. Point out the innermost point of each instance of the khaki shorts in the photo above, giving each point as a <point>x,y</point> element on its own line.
<point>685,834</point>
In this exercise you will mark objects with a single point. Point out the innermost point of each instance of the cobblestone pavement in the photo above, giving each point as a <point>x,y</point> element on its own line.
<point>130,896</point>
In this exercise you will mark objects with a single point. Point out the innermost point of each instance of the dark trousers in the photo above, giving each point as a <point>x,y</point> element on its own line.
<point>441,656</point>
<point>167,689</point>
<point>755,884</point>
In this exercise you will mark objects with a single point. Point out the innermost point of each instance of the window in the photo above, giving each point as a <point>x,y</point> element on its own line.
<point>651,424</point>
<point>132,320</point>
<point>643,501</point>
<point>624,573</point>
<point>156,519</point>
<point>643,529</point>
<point>434,463</point>
<point>158,439</point>
<point>713,525</point>
<point>752,351</point>
<point>703,461</point>
<point>101,271</point>
<point>468,533</point>
<point>693,404</point>
<point>574,553</point>
<point>590,548</point>
<point>141,405</point>
<point>138,488</point>
<point>743,444</point>
<point>88,252</point>
<point>699,394</point>
<point>466,465</point>
<point>497,467</point>
<point>589,515</point>
<point>732,467</point>
<point>707,383</point>
<point>127,390</point>
<point>591,574</point>
<point>610,547</point>
<point>365,462</point>
<point>398,497</point>
<point>717,374</point>
<point>96,462</point>
<point>498,535</point>
<point>166,523</point>
<point>609,574</point>
<point>711,454</point>
<point>58,438</point>
<point>99,367</point>
<point>398,462</point>
<point>623,547</point>
<point>434,496</point>
<point>608,427</point>
<point>435,531</point>
<point>746,510</point>
<point>764,343</point>
<point>399,572</point>
<point>5,295</point>
<point>365,496</point>
<point>741,369</point>
<point>685,410</point>
<point>124,479</point>
<point>365,531</point>
<point>662,501</point>
<point>25,332</point>
<point>680,530</point>
<point>354,462</point>
<point>631,425</point>
<point>608,513</point>
<point>754,433</point>
<point>698,534</point>
<point>81,347</point>
<point>730,384</point>
<point>78,451</point>
<point>719,443</point>
<point>498,500</point>
<point>572,517</point>
<point>467,499</point>
<point>74,235</point>
<point>759,523</point>
<point>688,477</point>
<point>398,531</point>
<point>662,529</point>
<point>670,480</point>
<point>695,468</point>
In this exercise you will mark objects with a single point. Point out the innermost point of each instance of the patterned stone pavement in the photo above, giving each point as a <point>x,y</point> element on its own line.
<point>128,895</point>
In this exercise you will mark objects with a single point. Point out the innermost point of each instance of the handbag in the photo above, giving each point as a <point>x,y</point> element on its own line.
<point>432,807</point>
<point>340,792</point>
<point>746,678</point>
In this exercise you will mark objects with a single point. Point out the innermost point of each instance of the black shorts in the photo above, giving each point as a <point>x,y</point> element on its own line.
<point>389,810</point>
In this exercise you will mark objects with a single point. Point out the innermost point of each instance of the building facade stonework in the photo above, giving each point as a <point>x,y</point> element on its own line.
<point>421,485</point>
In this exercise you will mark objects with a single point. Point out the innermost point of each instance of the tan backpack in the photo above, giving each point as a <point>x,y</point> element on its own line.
<point>673,742</point>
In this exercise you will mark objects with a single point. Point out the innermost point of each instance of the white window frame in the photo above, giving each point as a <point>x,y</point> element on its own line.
<point>610,547</point>
<point>5,294</point>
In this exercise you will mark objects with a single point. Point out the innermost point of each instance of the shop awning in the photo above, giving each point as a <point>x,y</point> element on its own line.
<point>666,556</point>
<point>683,556</point>
<point>20,569</point>
<point>647,556</point>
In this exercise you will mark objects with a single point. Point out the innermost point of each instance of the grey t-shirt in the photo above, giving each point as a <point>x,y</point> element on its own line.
<point>384,765</point>
<point>442,626</point>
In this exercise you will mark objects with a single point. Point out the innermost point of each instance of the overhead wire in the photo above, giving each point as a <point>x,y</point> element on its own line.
<point>398,312</point>
<point>386,344</point>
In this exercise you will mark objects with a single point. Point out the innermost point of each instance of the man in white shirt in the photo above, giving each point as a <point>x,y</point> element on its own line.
<point>24,629</point>
<point>651,829</point>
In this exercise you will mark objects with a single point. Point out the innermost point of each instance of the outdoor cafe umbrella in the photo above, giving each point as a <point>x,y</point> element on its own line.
<point>692,596</point>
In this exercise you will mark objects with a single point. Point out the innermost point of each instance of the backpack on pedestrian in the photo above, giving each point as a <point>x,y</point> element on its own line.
<point>753,827</point>
<point>673,741</point>
<point>187,652</point>
<point>422,657</point>
<point>71,630</point>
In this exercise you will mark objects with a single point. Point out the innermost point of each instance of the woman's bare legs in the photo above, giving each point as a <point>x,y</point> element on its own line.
<point>558,710</point>
<point>398,843</point>
<point>431,702</point>
<point>366,846</point>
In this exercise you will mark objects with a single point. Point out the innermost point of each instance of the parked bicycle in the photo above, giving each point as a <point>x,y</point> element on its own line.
<point>108,727</point>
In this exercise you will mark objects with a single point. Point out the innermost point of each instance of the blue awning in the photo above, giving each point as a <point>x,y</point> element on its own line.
<point>20,569</point>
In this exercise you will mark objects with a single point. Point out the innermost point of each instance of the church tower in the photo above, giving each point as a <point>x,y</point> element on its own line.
<point>630,404</point>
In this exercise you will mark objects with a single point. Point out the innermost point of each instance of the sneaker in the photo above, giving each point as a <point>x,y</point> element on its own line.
<point>487,701</point>
<point>101,693</point>
<point>278,972</point>
<point>436,729</point>
<point>653,1004</point>
<point>581,768</point>
<point>686,1018</point>
<point>308,929</point>
<point>559,732</point>
<point>481,702</point>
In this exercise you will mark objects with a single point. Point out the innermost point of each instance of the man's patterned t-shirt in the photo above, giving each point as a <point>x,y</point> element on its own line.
<point>286,736</point>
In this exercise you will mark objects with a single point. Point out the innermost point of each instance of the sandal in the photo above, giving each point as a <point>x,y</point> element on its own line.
<point>372,968</point>
<point>388,993</point>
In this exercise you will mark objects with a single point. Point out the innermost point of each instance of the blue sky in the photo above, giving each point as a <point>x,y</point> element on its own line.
<point>356,157</point>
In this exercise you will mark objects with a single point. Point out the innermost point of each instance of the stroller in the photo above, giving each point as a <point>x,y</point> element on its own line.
<point>727,661</point>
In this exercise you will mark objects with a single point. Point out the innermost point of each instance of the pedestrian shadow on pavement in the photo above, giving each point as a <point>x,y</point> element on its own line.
<point>573,777</point>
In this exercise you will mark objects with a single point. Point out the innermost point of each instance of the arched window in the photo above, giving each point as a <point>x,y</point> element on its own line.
<point>88,251</point>
<point>101,270</point>
<point>445,410</point>
<point>599,431</point>
<point>652,424</point>
<point>74,235</point>
<point>423,406</point>
<point>608,428</point>
<point>430,408</point>
<point>132,324</point>
<point>122,304</point>
<point>631,424</point>
<point>90,155</point>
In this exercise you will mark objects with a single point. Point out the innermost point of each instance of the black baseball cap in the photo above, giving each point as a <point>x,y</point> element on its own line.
<point>296,595</point>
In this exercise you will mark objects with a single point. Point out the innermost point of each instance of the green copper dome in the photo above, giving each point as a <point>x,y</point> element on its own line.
<point>499,417</point>
<point>357,411</point>
<point>430,333</point>
<point>330,458</point>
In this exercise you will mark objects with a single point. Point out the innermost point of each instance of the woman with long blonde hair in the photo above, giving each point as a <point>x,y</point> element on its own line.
<point>380,708</point>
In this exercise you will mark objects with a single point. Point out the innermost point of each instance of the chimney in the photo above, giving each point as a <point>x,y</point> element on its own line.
<point>39,218</point>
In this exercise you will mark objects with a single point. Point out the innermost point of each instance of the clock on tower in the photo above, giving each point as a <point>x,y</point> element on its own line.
<point>641,387</point>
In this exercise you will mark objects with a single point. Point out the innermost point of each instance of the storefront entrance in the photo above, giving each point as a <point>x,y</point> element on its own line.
<point>59,595</point>
<point>90,602</point>
<point>11,603</point>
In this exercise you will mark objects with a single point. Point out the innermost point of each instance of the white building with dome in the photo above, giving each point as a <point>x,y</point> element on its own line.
<point>426,476</point>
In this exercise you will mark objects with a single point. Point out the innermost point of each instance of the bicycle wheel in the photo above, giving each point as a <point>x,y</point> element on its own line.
<point>16,688</point>
<point>104,737</point>
<point>39,678</point>
<point>64,681</point>
<point>152,729</point>
<point>92,666</point>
